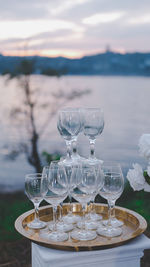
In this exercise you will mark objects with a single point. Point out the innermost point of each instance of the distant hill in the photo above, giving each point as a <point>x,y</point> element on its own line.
<point>108,63</point>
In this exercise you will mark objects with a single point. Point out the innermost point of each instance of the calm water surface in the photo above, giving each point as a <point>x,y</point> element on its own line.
<point>126,105</point>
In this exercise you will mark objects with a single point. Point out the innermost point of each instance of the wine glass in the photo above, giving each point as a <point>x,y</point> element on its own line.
<point>93,126</point>
<point>112,189</point>
<point>73,177</point>
<point>63,180</point>
<point>61,225</point>
<point>36,189</point>
<point>114,221</point>
<point>70,124</point>
<point>82,193</point>
<point>75,155</point>
<point>92,218</point>
<point>56,194</point>
<point>45,171</point>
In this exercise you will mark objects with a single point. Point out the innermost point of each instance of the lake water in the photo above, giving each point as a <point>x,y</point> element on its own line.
<point>126,105</point>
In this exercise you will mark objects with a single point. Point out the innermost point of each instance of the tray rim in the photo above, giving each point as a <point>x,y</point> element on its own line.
<point>76,247</point>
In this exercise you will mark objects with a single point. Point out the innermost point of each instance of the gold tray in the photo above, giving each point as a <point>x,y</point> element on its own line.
<point>134,225</point>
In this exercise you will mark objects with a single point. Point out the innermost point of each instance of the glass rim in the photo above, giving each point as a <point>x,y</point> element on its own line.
<point>54,164</point>
<point>35,175</point>
<point>54,161</point>
<point>109,163</point>
<point>69,109</point>
<point>46,166</point>
<point>112,173</point>
<point>93,109</point>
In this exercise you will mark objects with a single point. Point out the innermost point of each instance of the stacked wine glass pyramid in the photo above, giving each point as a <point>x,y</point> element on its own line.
<point>80,178</point>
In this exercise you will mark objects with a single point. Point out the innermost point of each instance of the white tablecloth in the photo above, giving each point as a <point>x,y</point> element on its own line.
<point>127,255</point>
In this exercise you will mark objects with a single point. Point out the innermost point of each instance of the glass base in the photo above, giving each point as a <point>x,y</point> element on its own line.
<point>66,161</point>
<point>61,226</point>
<point>43,233</point>
<point>70,218</point>
<point>51,226</point>
<point>114,222</point>
<point>109,231</point>
<point>94,160</point>
<point>94,216</point>
<point>58,236</point>
<point>83,235</point>
<point>89,225</point>
<point>77,158</point>
<point>37,224</point>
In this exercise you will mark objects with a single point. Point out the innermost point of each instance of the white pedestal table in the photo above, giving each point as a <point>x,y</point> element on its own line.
<point>127,255</point>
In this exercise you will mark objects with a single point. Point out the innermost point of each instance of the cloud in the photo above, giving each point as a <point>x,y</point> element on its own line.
<point>25,29</point>
<point>36,9</point>
<point>67,5</point>
<point>78,26</point>
<point>140,20</point>
<point>22,10</point>
<point>68,9</point>
<point>90,8</point>
<point>102,18</point>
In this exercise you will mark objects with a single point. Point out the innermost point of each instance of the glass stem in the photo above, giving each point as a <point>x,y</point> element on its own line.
<point>92,207</point>
<point>92,148</point>
<point>70,201</point>
<point>83,215</point>
<point>68,144</point>
<point>74,147</point>
<point>60,214</point>
<point>55,217</point>
<point>111,210</point>
<point>36,208</point>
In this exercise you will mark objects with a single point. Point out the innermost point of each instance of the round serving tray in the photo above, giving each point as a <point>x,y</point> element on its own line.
<point>134,225</point>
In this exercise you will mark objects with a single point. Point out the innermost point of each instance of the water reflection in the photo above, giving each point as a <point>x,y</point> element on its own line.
<point>125,101</point>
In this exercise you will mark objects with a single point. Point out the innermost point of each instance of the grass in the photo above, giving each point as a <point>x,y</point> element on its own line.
<point>11,206</point>
<point>138,201</point>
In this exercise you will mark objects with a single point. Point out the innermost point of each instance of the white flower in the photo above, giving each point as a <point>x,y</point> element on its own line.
<point>136,175</point>
<point>136,178</point>
<point>144,145</point>
<point>146,187</point>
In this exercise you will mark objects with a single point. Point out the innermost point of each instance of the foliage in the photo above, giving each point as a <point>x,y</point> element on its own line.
<point>53,72</point>
<point>9,213</point>
<point>50,157</point>
<point>146,176</point>
<point>137,201</point>
<point>19,204</point>
<point>26,67</point>
<point>25,114</point>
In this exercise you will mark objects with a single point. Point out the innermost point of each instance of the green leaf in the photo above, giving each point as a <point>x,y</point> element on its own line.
<point>147,177</point>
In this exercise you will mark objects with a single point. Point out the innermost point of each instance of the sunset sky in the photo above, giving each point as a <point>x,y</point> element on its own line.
<point>73,28</point>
